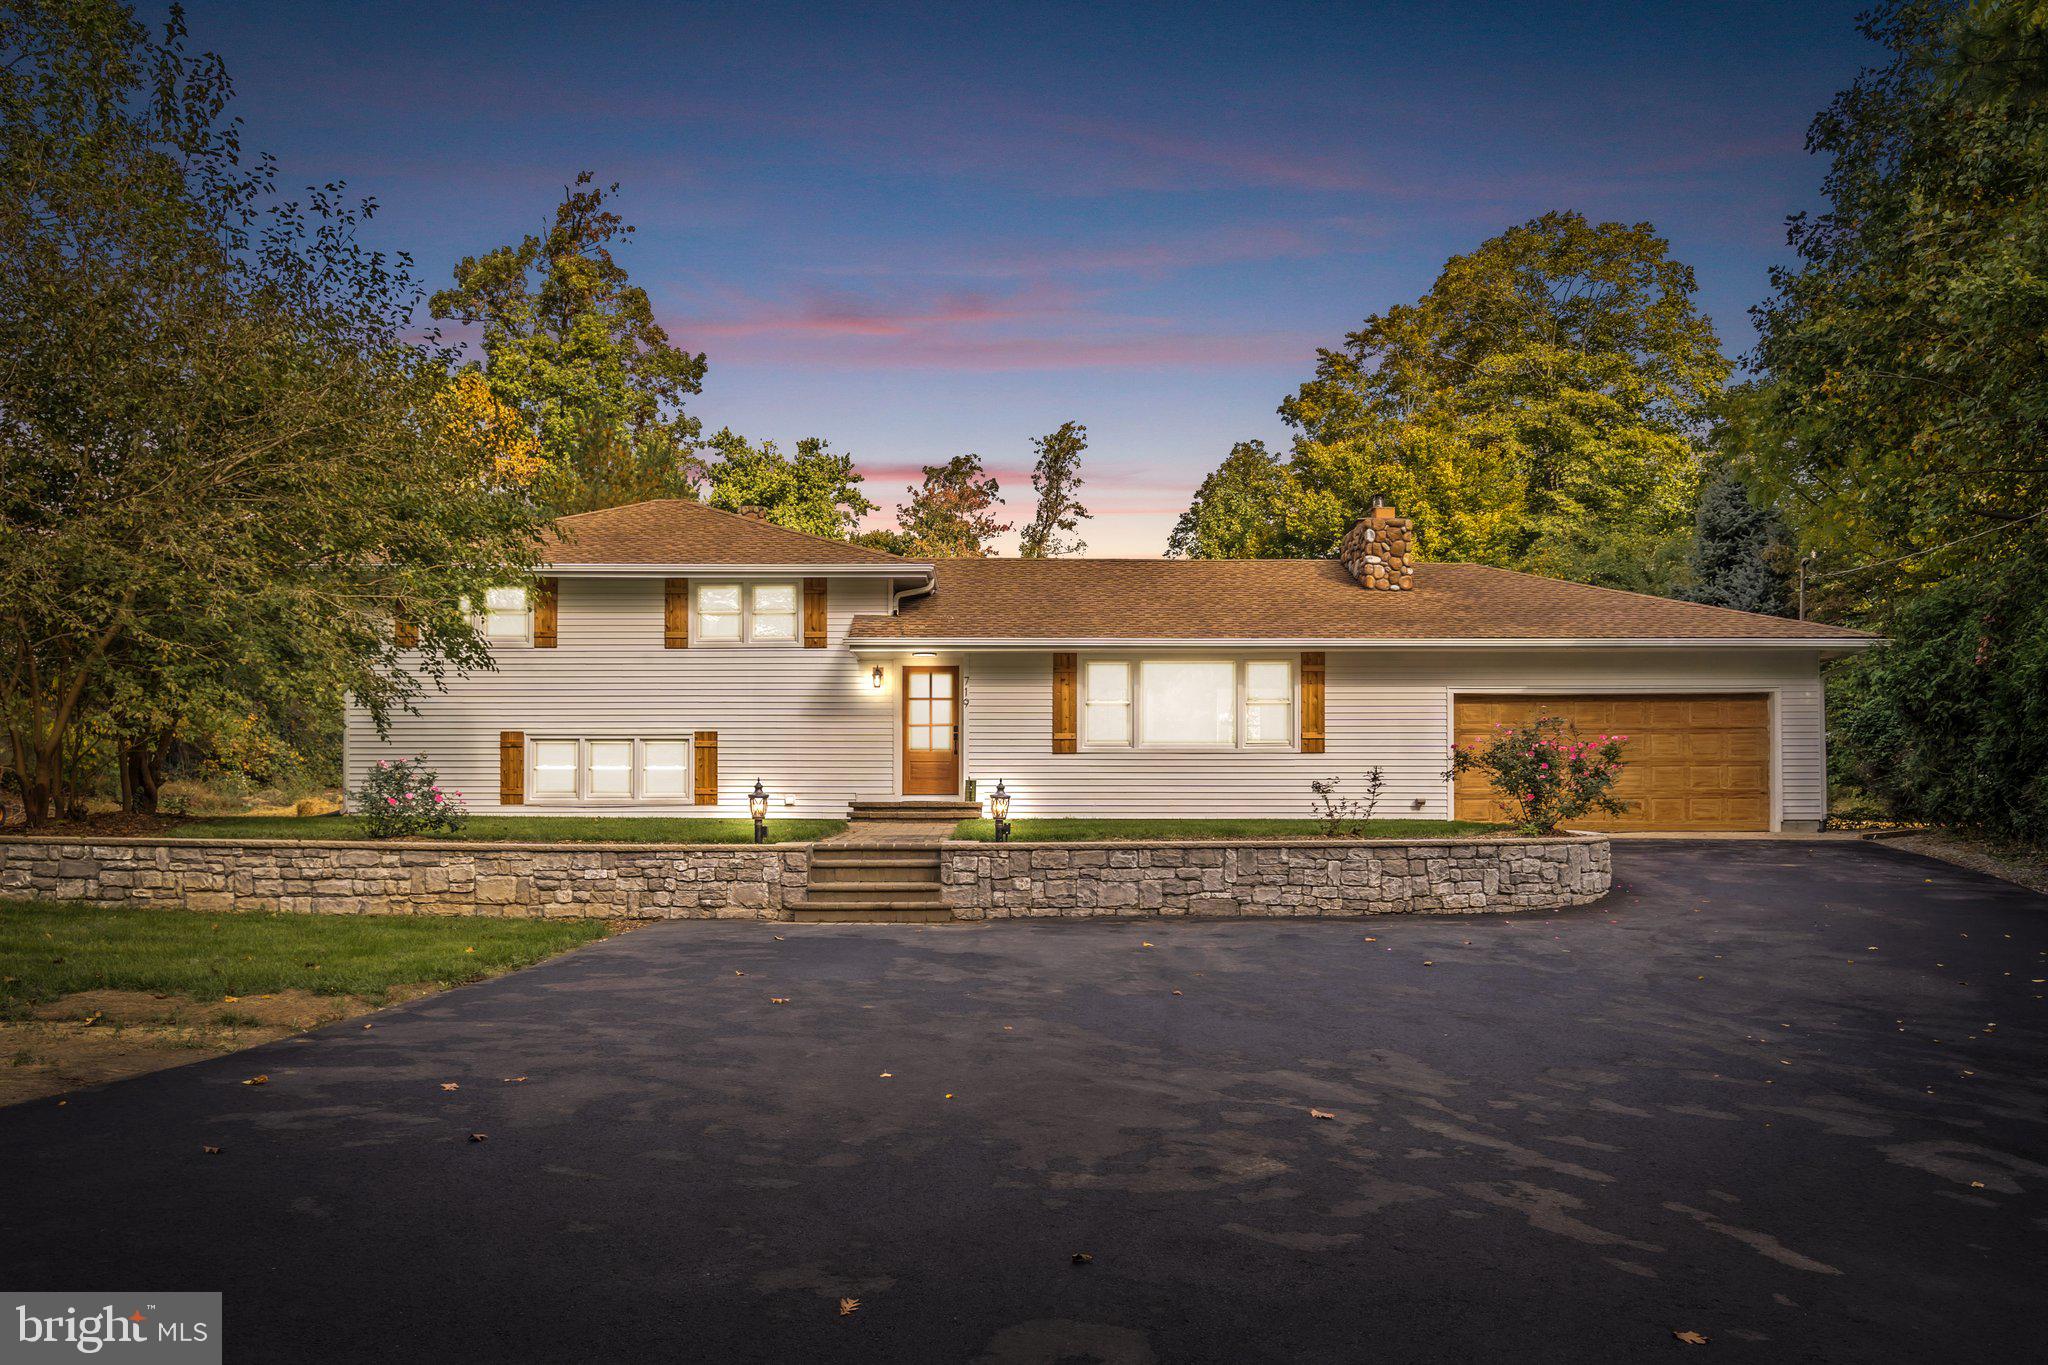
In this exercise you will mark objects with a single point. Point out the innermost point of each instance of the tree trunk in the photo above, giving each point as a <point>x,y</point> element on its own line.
<point>142,770</point>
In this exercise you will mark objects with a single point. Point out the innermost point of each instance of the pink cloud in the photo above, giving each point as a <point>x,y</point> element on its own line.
<point>1049,352</point>
<point>844,315</point>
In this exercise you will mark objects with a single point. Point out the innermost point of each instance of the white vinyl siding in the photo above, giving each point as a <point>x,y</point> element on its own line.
<point>1389,708</point>
<point>806,722</point>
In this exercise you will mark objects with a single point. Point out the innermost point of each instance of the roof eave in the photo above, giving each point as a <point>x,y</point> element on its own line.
<point>631,569</point>
<point>898,642</point>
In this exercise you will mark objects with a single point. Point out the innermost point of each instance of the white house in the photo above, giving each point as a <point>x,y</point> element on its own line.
<point>672,655</point>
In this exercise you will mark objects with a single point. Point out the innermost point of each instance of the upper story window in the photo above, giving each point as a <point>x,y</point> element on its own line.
<point>746,613</point>
<point>1187,704</point>
<point>508,616</point>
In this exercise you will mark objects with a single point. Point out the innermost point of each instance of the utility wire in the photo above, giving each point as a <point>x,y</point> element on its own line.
<point>1933,549</point>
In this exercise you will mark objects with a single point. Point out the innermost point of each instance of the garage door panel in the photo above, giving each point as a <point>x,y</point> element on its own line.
<point>1692,761</point>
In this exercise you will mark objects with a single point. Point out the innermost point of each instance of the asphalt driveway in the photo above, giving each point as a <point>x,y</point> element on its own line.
<point>1793,1097</point>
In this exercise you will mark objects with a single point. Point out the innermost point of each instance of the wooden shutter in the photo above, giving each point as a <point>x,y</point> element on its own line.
<point>546,592</point>
<point>1312,701</point>
<point>511,768</point>
<point>704,749</point>
<point>675,615</point>
<point>1064,669</point>
<point>405,632</point>
<point>814,613</point>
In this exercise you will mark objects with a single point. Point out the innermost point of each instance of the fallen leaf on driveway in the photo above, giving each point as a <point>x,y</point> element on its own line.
<point>257,1080</point>
<point>210,1151</point>
<point>1144,945</point>
<point>515,1080</point>
<point>887,1074</point>
<point>1082,1258</point>
<point>778,1000</point>
<point>451,1085</point>
<point>1690,1338</point>
<point>847,1306</point>
<point>479,1137</point>
<point>1321,1114</point>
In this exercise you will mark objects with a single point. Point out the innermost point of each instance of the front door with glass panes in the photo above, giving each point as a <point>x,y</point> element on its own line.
<point>931,731</point>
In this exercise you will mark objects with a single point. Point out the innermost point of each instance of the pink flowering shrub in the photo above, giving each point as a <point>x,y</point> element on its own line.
<point>1545,773</point>
<point>403,798</point>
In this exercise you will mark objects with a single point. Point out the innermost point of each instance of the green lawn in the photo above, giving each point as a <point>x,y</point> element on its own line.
<point>48,950</point>
<point>1064,830</point>
<point>539,829</point>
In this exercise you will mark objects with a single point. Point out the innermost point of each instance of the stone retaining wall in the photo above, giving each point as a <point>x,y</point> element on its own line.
<point>727,881</point>
<point>700,881</point>
<point>1305,878</point>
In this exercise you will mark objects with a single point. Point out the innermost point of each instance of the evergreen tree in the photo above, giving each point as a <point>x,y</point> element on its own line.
<point>1740,550</point>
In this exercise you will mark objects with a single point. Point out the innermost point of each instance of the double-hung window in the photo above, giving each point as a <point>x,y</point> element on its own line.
<point>746,613</point>
<point>609,770</point>
<point>1187,704</point>
<point>1107,714</point>
<point>1268,703</point>
<point>508,617</point>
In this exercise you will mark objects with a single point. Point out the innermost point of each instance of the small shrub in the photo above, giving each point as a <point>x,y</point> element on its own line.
<point>1346,815</point>
<point>1545,773</point>
<point>403,798</point>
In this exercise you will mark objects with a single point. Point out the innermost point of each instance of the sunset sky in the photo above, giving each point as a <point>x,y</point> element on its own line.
<point>917,232</point>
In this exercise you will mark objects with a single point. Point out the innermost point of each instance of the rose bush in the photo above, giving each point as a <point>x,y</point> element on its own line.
<point>405,798</point>
<point>1545,773</point>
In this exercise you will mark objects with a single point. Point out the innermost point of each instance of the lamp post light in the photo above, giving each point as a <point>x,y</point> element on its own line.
<point>999,806</point>
<point>757,806</point>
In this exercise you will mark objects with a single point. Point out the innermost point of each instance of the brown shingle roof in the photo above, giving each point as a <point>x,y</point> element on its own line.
<point>1292,599</point>
<point>677,531</point>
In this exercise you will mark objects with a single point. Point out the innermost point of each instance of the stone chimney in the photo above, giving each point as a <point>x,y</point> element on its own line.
<point>1375,551</point>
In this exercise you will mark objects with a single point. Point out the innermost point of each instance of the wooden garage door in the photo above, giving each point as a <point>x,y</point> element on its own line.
<point>1692,761</point>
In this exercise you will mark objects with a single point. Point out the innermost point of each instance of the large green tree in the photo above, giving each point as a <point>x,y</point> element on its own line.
<point>1247,508</point>
<point>952,514</point>
<point>1543,401</point>
<point>223,464</point>
<point>574,348</point>
<point>1910,382</point>
<point>816,490</point>
<point>1054,478</point>
<point>1909,407</point>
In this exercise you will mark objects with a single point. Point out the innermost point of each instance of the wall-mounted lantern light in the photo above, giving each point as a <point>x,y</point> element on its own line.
<point>876,678</point>
<point>757,806</point>
<point>999,806</point>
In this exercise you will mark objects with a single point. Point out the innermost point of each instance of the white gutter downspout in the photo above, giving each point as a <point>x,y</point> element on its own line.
<point>896,599</point>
